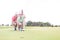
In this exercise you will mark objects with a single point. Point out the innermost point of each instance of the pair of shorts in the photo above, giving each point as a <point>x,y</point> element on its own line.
<point>19,23</point>
<point>14,23</point>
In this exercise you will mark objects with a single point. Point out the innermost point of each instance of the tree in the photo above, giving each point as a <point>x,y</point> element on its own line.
<point>47,24</point>
<point>7,25</point>
<point>2,24</point>
<point>29,23</point>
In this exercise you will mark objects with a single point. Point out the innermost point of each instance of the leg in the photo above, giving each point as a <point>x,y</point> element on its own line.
<point>19,27</point>
<point>22,27</point>
<point>15,27</point>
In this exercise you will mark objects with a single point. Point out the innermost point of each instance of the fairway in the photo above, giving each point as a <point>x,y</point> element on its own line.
<point>30,33</point>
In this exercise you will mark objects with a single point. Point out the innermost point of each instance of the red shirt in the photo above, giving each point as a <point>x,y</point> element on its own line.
<point>14,18</point>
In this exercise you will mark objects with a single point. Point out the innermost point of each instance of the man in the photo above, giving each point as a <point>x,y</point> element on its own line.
<point>23,17</point>
<point>14,23</point>
<point>20,21</point>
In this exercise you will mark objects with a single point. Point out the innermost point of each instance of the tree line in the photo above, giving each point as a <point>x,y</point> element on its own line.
<point>42,24</point>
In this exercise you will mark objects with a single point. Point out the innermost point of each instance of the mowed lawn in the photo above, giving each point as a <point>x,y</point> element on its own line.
<point>30,33</point>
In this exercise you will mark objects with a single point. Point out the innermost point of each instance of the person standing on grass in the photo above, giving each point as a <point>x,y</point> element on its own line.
<point>14,23</point>
<point>20,21</point>
<point>23,18</point>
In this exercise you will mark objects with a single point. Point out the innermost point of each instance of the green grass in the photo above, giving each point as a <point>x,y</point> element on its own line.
<point>30,33</point>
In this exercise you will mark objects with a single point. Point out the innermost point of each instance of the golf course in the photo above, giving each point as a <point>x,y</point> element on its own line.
<point>30,33</point>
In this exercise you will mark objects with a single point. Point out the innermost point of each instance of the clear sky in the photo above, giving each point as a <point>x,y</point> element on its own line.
<point>35,10</point>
